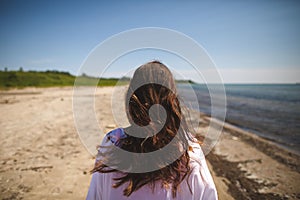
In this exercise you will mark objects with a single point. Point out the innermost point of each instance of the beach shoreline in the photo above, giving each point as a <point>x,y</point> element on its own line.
<point>268,147</point>
<point>244,172</point>
<point>43,157</point>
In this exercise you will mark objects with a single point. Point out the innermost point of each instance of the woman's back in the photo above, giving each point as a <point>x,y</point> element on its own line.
<point>197,185</point>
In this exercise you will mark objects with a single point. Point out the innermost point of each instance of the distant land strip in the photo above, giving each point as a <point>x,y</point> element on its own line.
<point>52,78</point>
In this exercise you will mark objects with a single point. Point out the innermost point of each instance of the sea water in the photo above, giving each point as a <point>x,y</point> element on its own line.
<point>271,111</point>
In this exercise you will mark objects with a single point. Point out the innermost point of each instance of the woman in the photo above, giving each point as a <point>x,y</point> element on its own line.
<point>128,165</point>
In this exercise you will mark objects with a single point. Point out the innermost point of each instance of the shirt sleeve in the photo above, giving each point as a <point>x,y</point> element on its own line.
<point>95,189</point>
<point>204,179</point>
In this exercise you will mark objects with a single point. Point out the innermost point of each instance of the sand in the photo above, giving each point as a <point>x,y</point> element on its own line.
<point>42,156</point>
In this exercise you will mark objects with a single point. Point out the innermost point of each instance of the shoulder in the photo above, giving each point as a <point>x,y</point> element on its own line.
<point>111,138</point>
<point>114,136</point>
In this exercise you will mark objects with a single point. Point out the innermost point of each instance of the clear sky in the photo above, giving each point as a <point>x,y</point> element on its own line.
<point>250,41</point>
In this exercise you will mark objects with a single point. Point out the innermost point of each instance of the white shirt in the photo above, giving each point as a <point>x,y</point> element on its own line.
<point>200,182</point>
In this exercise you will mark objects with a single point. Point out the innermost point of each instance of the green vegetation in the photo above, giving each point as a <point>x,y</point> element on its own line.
<point>185,81</point>
<point>90,81</point>
<point>21,79</point>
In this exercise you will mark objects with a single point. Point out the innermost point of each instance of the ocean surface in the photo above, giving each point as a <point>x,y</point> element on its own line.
<point>271,111</point>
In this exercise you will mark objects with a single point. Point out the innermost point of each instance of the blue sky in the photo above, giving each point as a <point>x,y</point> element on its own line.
<point>250,41</point>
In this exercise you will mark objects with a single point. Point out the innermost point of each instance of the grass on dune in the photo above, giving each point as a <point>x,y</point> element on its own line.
<point>21,79</point>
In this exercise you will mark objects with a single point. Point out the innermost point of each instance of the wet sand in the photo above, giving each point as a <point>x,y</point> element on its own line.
<point>42,156</point>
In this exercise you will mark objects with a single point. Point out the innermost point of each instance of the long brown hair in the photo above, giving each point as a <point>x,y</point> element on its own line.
<point>152,83</point>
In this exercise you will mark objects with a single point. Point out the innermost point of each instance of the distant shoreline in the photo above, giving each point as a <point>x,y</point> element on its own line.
<point>53,78</point>
<point>45,79</point>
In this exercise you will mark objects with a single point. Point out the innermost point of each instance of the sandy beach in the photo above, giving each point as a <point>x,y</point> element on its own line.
<point>42,156</point>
